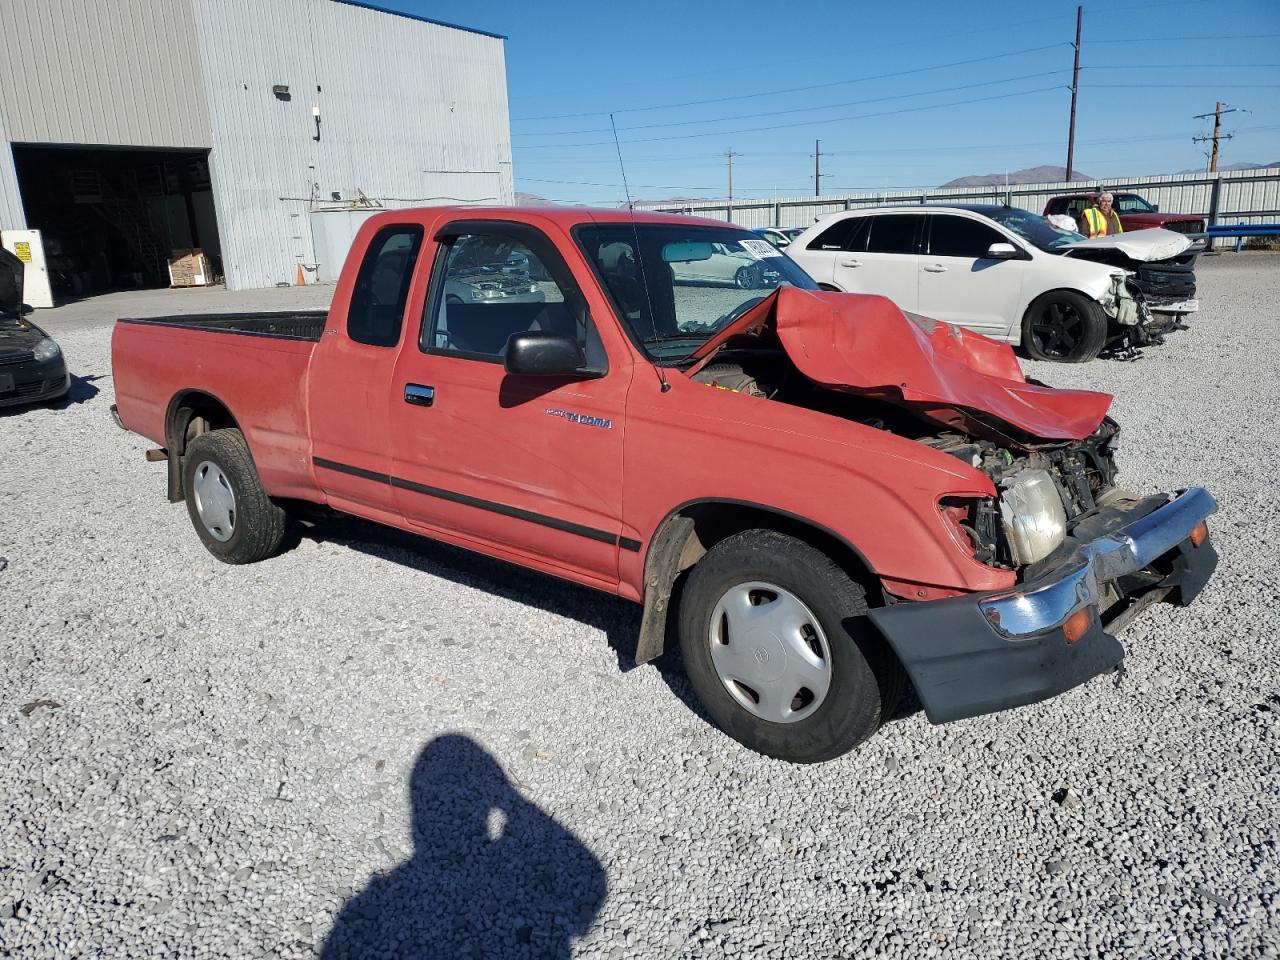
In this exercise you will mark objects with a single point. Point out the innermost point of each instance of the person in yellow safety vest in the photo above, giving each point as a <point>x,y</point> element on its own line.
<point>1100,220</point>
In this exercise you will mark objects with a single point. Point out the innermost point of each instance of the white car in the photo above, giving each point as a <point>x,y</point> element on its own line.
<point>724,267</point>
<point>1004,272</point>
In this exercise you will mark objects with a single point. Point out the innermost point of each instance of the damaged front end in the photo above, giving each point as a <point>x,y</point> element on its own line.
<point>1084,556</point>
<point>1152,289</point>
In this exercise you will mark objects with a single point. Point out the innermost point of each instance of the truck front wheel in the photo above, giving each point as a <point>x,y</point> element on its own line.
<point>232,514</point>
<point>778,647</point>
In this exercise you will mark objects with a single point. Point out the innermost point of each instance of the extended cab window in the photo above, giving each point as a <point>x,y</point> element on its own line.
<point>492,285</point>
<point>893,233</point>
<point>961,237</point>
<point>376,313</point>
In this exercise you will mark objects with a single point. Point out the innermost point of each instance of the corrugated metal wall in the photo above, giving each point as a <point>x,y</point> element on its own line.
<point>1244,196</point>
<point>11,214</point>
<point>410,113</point>
<point>109,72</point>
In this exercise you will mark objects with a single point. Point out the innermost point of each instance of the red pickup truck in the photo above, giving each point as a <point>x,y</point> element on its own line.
<point>1134,212</point>
<point>814,494</point>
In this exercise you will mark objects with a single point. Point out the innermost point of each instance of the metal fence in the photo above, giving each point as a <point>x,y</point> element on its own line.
<point>1228,197</point>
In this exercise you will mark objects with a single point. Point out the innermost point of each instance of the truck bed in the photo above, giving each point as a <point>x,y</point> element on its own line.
<point>303,325</point>
<point>253,364</point>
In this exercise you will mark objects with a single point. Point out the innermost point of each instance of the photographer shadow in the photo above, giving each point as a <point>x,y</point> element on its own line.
<point>491,874</point>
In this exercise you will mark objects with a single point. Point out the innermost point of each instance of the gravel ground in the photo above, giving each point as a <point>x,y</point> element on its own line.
<point>372,745</point>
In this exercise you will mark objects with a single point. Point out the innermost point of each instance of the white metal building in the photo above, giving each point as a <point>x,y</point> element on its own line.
<point>132,128</point>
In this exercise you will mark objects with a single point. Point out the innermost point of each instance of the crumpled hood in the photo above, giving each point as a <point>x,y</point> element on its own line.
<point>1145,245</point>
<point>864,344</point>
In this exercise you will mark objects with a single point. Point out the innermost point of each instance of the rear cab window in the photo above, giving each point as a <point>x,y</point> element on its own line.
<point>376,313</point>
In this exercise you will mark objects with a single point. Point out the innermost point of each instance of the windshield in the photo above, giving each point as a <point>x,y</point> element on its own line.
<point>1034,228</point>
<point>1132,203</point>
<point>676,287</point>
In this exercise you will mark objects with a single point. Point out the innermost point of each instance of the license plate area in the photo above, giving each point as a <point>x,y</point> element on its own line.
<point>6,383</point>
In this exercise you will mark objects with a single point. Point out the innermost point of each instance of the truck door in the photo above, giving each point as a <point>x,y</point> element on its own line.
<point>530,467</point>
<point>351,373</point>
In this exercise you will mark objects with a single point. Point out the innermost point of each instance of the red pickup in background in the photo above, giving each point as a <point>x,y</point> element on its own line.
<point>1135,213</point>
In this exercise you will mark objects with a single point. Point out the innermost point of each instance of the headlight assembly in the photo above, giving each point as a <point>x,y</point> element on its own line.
<point>1035,521</point>
<point>46,349</point>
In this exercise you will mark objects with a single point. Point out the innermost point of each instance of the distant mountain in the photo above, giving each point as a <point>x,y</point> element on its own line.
<point>533,200</point>
<point>1236,166</point>
<point>1046,174</point>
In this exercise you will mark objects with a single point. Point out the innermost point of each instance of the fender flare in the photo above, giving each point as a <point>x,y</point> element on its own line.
<point>177,422</point>
<point>676,546</point>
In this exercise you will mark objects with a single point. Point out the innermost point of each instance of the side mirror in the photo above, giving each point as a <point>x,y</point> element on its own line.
<point>1002,251</point>
<point>540,354</point>
<point>1155,207</point>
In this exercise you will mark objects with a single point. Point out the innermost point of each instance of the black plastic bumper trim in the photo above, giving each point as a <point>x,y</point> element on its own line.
<point>962,668</point>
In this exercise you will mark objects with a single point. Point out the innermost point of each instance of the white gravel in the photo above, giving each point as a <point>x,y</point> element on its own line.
<point>397,749</point>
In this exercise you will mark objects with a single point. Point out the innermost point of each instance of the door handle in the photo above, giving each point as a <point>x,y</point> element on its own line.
<point>419,395</point>
<point>935,268</point>
<point>850,263</point>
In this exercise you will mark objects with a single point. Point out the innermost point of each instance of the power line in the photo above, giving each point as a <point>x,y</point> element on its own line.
<point>1237,36</point>
<point>1171,86</point>
<point>914,40</point>
<point>794,110</point>
<point>812,86</point>
<point>802,123</point>
<point>1164,137</point>
<point>1173,66</point>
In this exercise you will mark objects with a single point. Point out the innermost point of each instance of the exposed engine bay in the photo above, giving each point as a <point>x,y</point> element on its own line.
<point>1044,485</point>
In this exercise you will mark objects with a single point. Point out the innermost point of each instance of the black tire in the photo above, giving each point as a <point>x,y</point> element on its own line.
<point>1063,326</point>
<point>257,525</point>
<point>866,679</point>
<point>745,278</point>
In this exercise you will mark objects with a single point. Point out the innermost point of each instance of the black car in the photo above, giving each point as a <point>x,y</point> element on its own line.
<point>31,364</point>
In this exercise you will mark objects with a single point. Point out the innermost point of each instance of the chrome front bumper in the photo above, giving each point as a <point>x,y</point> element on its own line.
<point>1035,607</point>
<point>979,653</point>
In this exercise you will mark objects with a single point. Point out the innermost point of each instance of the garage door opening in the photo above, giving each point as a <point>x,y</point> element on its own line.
<point>111,218</point>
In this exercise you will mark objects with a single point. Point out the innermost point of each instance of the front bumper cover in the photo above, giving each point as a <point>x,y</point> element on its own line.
<point>33,381</point>
<point>986,652</point>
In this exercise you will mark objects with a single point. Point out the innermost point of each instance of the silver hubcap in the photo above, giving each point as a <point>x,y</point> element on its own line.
<point>215,503</point>
<point>770,652</point>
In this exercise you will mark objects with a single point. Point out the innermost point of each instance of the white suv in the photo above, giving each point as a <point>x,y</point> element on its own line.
<point>1004,272</point>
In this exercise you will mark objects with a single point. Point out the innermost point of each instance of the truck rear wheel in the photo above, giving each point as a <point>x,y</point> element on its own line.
<point>778,647</point>
<point>233,516</point>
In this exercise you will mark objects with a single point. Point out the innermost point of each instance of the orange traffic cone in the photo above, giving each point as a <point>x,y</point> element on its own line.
<point>300,280</point>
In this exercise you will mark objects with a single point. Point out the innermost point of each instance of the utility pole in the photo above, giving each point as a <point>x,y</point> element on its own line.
<point>1075,86</point>
<point>817,169</point>
<point>730,155</point>
<point>1217,132</point>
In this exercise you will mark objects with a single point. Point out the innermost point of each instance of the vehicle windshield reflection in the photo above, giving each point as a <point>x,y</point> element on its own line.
<point>675,287</point>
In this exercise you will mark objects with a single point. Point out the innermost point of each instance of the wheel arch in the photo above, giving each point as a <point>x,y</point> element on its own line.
<point>1034,302</point>
<point>688,531</point>
<point>191,412</point>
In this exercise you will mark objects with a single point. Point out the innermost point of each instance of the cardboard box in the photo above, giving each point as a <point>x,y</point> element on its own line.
<point>190,268</point>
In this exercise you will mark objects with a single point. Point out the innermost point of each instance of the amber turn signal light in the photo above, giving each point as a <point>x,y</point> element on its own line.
<point>1200,534</point>
<point>1077,624</point>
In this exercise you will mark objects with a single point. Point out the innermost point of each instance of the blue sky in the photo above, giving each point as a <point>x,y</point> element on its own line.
<point>905,94</point>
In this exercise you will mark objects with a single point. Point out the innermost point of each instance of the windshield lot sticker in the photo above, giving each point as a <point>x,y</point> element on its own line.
<point>584,419</point>
<point>760,248</point>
